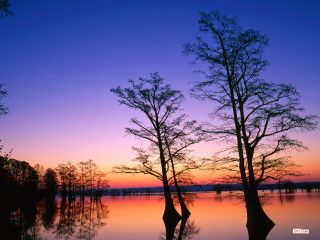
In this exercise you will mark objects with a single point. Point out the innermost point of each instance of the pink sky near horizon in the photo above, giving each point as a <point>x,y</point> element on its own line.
<point>121,153</point>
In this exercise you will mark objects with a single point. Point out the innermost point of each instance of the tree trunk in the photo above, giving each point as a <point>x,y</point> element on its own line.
<point>184,210</point>
<point>170,226</point>
<point>258,223</point>
<point>170,214</point>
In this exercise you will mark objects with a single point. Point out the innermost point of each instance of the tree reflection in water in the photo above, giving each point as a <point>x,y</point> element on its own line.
<point>19,223</point>
<point>186,230</point>
<point>49,214</point>
<point>90,217</point>
<point>77,219</point>
<point>83,217</point>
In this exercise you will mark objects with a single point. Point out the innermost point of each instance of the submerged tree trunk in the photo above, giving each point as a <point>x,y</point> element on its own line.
<point>184,210</point>
<point>170,226</point>
<point>258,223</point>
<point>170,214</point>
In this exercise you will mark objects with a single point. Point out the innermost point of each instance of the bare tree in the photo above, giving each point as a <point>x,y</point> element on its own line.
<point>5,8</point>
<point>255,115</point>
<point>3,93</point>
<point>101,182</point>
<point>176,136</point>
<point>50,182</point>
<point>68,178</point>
<point>158,103</point>
<point>62,174</point>
<point>91,170</point>
<point>82,175</point>
<point>71,178</point>
<point>40,171</point>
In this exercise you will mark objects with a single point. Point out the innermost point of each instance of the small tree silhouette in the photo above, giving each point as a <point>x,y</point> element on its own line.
<point>5,8</point>
<point>3,93</point>
<point>50,182</point>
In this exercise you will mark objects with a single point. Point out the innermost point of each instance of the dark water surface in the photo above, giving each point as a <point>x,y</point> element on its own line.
<point>214,216</point>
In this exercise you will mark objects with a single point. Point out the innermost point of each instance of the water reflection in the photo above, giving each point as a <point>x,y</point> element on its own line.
<point>287,197</point>
<point>19,223</point>
<point>219,216</point>
<point>174,230</point>
<point>80,218</point>
<point>258,224</point>
<point>49,214</point>
<point>77,219</point>
<point>185,230</point>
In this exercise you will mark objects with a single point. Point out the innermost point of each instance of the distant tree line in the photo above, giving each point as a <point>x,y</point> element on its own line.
<point>20,179</point>
<point>82,179</point>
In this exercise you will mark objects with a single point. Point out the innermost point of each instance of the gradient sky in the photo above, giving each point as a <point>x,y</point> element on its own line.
<point>60,58</point>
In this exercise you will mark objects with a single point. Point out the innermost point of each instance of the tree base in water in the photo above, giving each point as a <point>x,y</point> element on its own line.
<point>259,225</point>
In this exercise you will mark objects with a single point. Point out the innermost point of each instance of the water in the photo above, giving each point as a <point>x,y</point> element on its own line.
<point>139,217</point>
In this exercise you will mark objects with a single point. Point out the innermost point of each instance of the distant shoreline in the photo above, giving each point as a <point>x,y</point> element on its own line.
<point>218,188</point>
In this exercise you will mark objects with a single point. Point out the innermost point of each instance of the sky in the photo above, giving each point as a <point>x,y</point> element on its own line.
<point>59,60</point>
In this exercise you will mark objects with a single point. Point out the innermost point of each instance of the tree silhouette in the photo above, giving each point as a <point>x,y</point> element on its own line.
<point>87,178</point>
<point>91,169</point>
<point>158,103</point>
<point>18,181</point>
<point>50,182</point>
<point>4,8</point>
<point>67,179</point>
<point>257,116</point>
<point>91,179</point>
<point>40,171</point>
<point>3,93</point>
<point>83,176</point>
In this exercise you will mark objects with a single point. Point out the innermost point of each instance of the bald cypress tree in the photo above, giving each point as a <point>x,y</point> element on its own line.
<point>256,116</point>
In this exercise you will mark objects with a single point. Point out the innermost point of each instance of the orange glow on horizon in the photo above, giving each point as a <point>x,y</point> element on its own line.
<point>49,157</point>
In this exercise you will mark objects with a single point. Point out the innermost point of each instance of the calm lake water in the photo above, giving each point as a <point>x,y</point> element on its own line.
<point>139,217</point>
